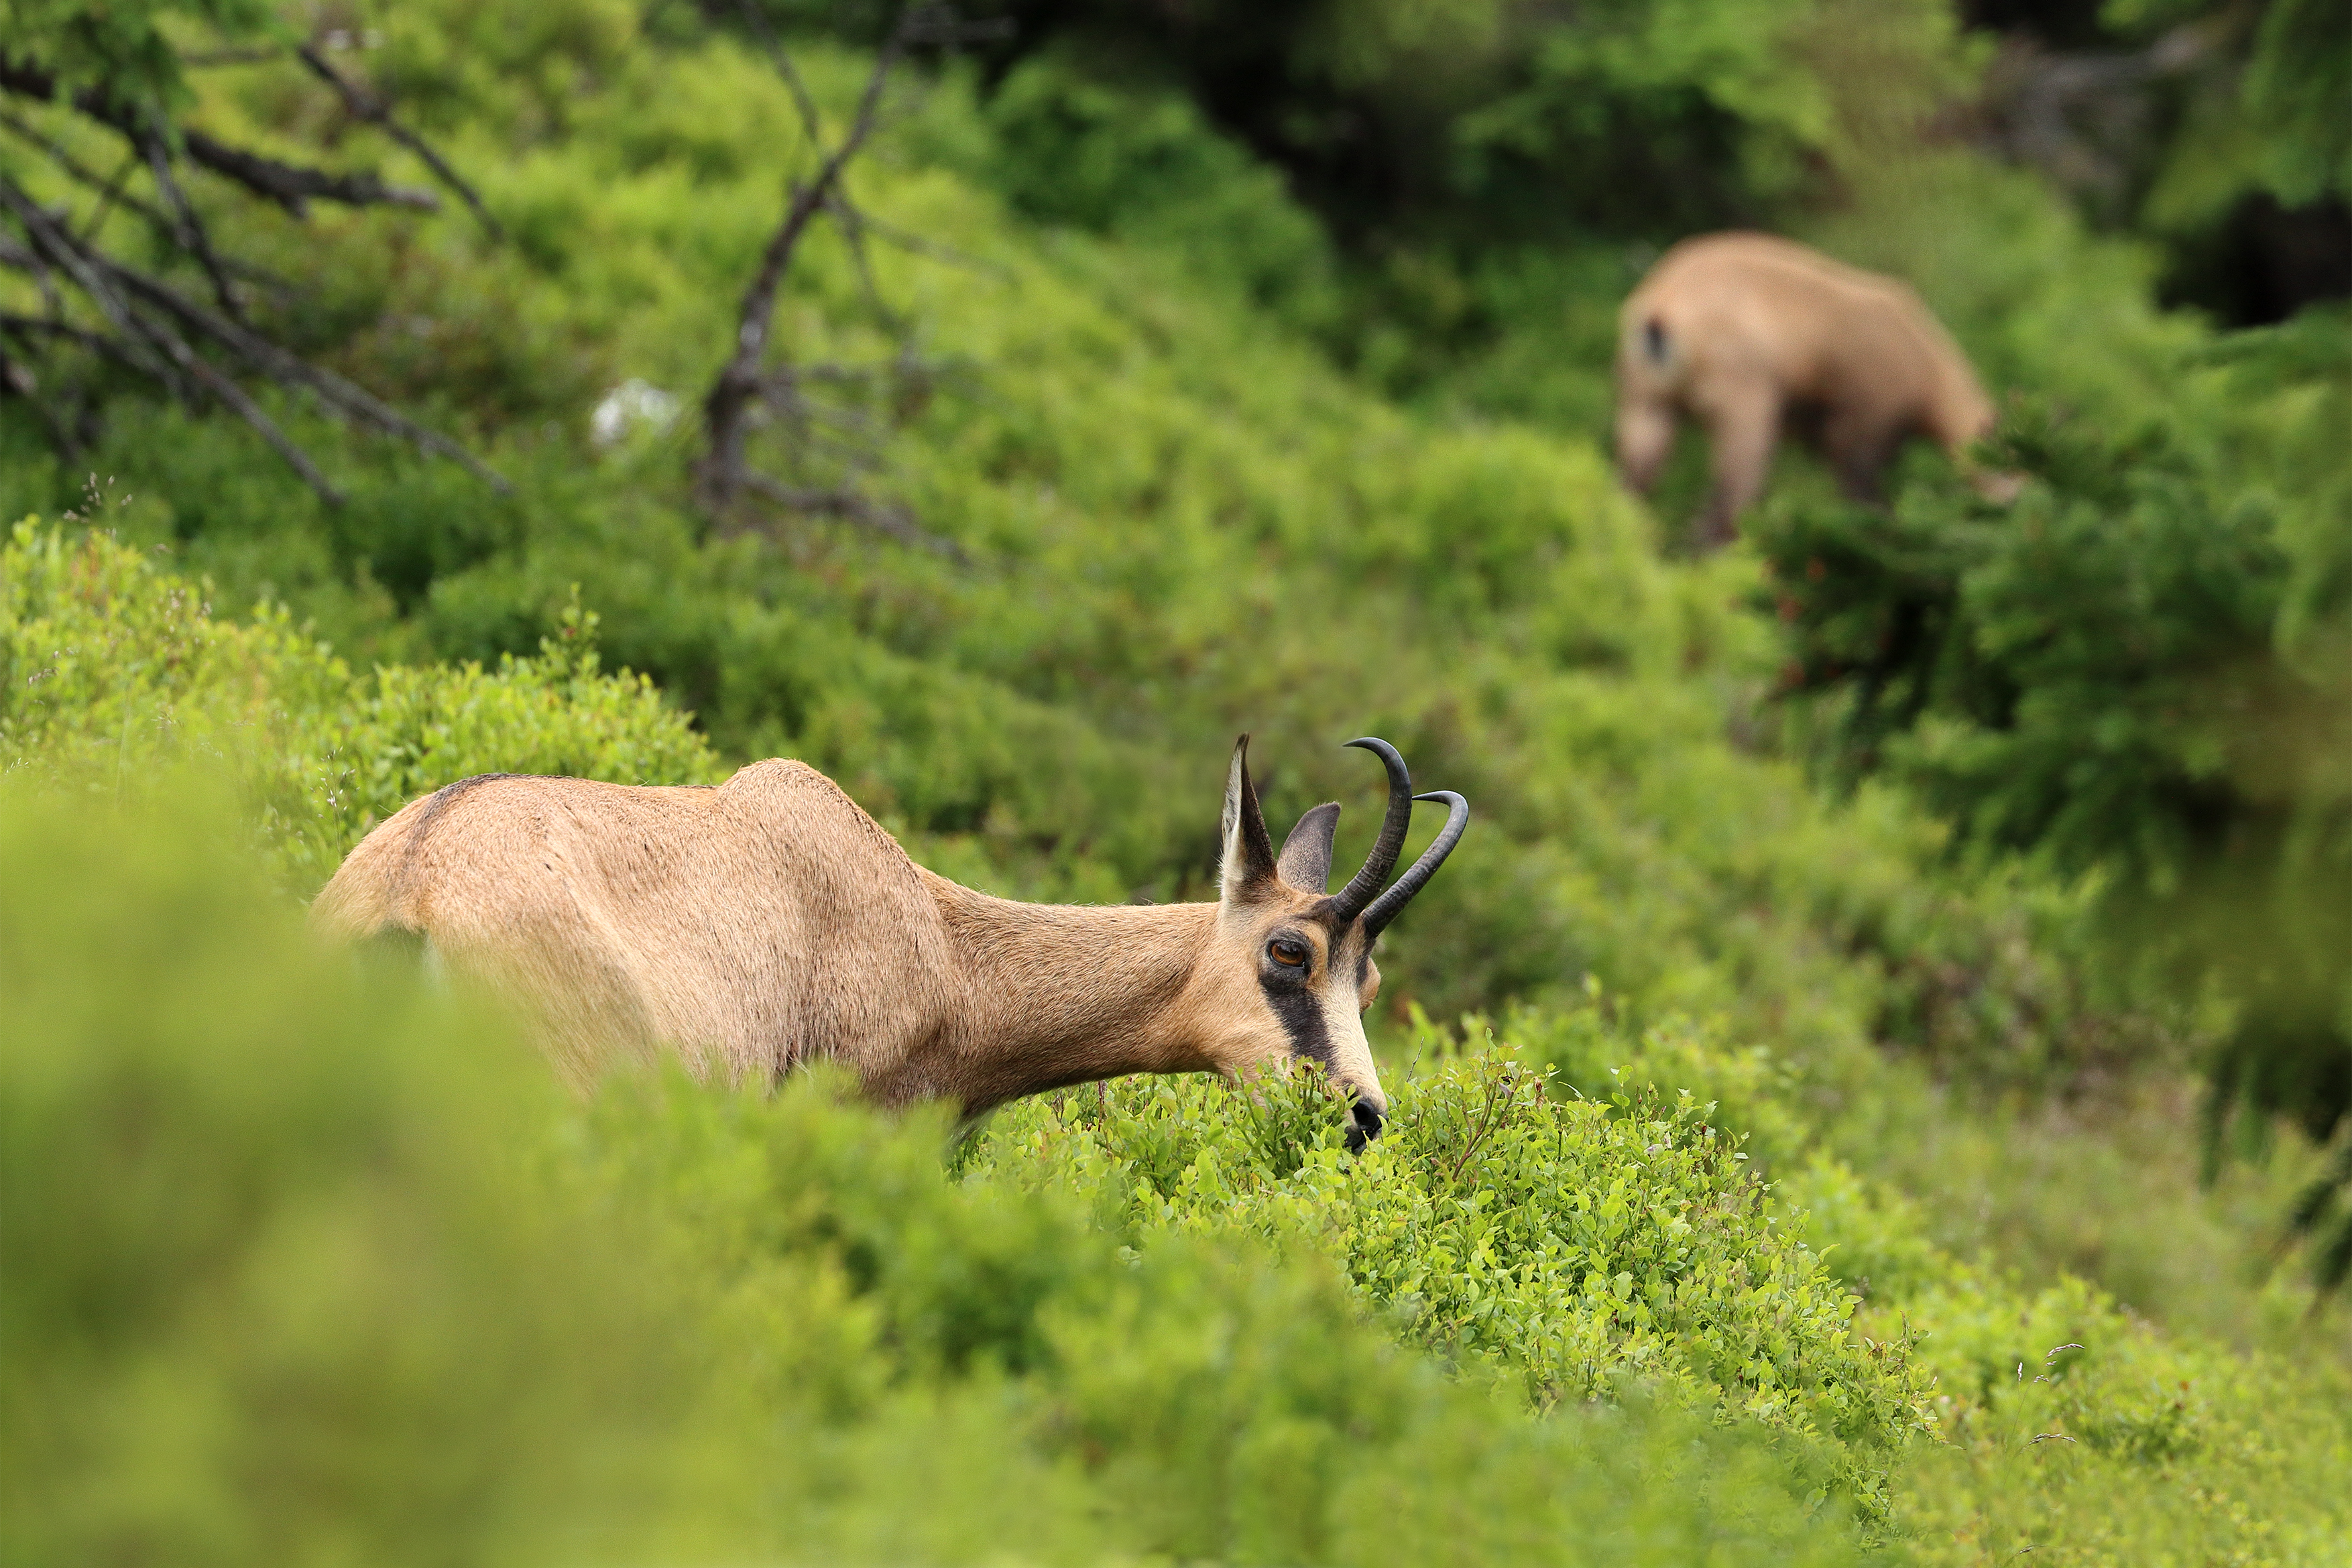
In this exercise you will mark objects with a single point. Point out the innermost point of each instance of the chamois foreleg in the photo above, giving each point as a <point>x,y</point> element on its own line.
<point>1742,424</point>
<point>1646,436</point>
<point>1859,444</point>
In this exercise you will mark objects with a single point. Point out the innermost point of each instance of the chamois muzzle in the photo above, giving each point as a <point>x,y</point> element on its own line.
<point>1358,897</point>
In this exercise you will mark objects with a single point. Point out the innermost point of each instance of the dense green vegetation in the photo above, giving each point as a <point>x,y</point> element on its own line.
<point>1802,1163</point>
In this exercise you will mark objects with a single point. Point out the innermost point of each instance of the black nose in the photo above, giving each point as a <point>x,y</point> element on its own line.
<point>1365,1121</point>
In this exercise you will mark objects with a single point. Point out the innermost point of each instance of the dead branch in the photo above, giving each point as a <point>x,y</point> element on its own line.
<point>188,228</point>
<point>112,193</point>
<point>17,380</point>
<point>742,386</point>
<point>354,402</point>
<point>57,250</point>
<point>43,326</point>
<point>290,185</point>
<point>114,190</point>
<point>916,245</point>
<point>150,345</point>
<point>740,382</point>
<point>849,506</point>
<point>148,339</point>
<point>294,187</point>
<point>373,109</point>
<point>251,56</point>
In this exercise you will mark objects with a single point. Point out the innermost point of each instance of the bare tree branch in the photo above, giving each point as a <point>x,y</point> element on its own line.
<point>155,348</point>
<point>233,56</point>
<point>916,245</point>
<point>25,261</point>
<point>16,380</point>
<point>42,326</point>
<point>293,187</point>
<point>849,506</point>
<point>110,192</point>
<point>345,398</point>
<point>738,382</point>
<point>189,229</point>
<point>150,322</point>
<point>290,185</point>
<point>58,249</point>
<point>148,344</point>
<point>852,223</point>
<point>371,108</point>
<point>229,393</point>
<point>742,386</point>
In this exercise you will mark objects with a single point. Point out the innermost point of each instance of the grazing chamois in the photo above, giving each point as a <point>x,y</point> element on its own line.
<point>1750,334</point>
<point>766,921</point>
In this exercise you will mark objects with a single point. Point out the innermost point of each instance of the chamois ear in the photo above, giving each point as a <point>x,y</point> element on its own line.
<point>1305,863</point>
<point>1248,858</point>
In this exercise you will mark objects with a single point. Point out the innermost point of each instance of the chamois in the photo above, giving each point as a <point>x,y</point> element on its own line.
<point>766,921</point>
<point>1748,333</point>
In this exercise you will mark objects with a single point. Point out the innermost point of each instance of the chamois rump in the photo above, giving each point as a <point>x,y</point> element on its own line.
<point>1749,335</point>
<point>767,922</point>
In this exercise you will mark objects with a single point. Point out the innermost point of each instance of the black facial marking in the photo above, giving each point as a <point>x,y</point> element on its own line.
<point>1301,1012</point>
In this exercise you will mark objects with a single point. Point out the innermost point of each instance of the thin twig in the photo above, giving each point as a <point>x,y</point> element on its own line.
<point>852,229</point>
<point>757,21</point>
<point>57,250</point>
<point>290,185</point>
<point>372,107</point>
<point>188,229</point>
<point>916,245</point>
<point>157,350</point>
<point>851,507</point>
<point>97,342</point>
<point>342,396</point>
<point>107,196</point>
<point>25,261</point>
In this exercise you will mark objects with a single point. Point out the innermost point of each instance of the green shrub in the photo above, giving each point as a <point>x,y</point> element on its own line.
<point>110,672</point>
<point>2134,676</point>
<point>1554,1242</point>
<point>2079,1435</point>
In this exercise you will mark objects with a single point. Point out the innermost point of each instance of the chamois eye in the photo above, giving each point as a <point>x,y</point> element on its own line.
<point>1287,952</point>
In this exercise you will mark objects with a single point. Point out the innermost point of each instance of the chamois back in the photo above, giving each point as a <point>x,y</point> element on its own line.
<point>753,925</point>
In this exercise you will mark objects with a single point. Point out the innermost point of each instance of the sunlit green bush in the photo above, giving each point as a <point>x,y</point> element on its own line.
<point>110,672</point>
<point>1543,1239</point>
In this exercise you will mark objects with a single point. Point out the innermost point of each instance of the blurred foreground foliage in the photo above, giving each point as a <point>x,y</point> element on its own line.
<point>109,671</point>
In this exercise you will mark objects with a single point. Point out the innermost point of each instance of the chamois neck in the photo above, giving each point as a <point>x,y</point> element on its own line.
<point>1060,994</point>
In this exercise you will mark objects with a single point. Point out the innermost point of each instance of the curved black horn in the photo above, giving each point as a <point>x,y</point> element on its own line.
<point>1384,908</point>
<point>1350,900</point>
